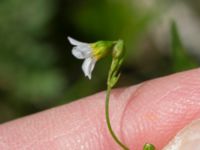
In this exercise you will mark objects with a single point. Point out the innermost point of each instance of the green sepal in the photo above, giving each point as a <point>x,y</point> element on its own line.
<point>101,49</point>
<point>114,80</point>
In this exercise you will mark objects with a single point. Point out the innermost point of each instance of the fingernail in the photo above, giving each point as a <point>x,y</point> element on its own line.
<point>187,139</point>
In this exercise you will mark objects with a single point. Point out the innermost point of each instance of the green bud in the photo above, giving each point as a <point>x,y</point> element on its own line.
<point>117,60</point>
<point>118,50</point>
<point>149,147</point>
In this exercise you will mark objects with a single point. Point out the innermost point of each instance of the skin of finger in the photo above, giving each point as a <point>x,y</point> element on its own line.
<point>151,112</point>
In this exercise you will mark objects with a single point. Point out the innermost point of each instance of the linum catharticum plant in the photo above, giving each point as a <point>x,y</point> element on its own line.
<point>91,53</point>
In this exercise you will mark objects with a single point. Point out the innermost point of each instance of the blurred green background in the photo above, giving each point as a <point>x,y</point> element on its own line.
<point>37,70</point>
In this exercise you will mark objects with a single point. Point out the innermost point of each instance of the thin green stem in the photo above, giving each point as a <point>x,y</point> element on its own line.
<point>108,121</point>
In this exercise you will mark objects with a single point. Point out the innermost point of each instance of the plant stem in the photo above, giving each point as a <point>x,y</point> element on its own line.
<point>108,120</point>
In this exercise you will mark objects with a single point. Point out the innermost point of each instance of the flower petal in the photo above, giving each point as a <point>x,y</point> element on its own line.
<point>82,51</point>
<point>88,66</point>
<point>75,42</point>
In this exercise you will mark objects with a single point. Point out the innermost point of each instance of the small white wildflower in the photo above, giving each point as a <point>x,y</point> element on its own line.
<point>91,52</point>
<point>83,50</point>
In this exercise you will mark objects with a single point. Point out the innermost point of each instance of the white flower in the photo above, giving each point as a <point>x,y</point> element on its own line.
<point>83,50</point>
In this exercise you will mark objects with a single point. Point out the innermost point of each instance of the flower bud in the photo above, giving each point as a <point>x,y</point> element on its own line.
<point>118,51</point>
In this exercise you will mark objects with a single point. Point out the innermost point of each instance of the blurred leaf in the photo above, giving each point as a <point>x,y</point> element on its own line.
<point>180,57</point>
<point>29,77</point>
